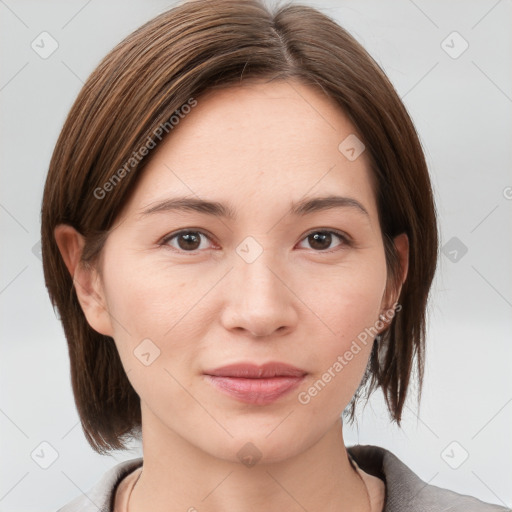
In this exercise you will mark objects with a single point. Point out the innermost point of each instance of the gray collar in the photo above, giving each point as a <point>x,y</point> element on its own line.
<point>406,492</point>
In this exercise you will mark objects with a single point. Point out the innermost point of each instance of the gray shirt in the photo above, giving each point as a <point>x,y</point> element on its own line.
<point>405,491</point>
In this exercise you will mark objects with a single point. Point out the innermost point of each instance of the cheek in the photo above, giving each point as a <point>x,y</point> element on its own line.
<point>150,300</point>
<point>347,300</point>
<point>151,329</point>
<point>159,315</point>
<point>349,308</point>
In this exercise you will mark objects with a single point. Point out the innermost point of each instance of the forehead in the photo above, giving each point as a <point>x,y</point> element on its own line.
<point>268,142</point>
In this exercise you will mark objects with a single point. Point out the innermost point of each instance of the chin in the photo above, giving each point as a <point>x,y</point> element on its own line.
<point>253,445</point>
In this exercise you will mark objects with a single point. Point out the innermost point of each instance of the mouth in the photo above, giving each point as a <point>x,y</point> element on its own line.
<point>254,384</point>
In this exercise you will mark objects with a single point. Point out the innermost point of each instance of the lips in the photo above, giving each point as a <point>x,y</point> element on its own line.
<point>254,384</point>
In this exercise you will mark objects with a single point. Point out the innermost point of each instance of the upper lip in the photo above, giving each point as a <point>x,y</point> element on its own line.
<point>253,371</point>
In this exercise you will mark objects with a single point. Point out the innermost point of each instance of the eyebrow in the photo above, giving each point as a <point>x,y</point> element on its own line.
<point>216,209</point>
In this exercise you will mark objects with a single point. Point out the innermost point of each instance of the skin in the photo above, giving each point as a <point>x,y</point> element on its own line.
<point>257,147</point>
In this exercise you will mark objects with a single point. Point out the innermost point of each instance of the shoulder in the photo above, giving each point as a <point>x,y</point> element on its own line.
<point>101,496</point>
<point>405,491</point>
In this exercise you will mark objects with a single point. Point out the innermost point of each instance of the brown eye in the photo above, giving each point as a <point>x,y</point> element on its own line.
<point>322,240</point>
<point>186,240</point>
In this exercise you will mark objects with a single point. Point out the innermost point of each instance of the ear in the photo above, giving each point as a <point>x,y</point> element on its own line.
<point>402,248</point>
<point>394,286</point>
<point>86,280</point>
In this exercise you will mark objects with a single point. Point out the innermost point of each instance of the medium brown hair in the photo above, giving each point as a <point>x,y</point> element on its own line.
<point>195,47</point>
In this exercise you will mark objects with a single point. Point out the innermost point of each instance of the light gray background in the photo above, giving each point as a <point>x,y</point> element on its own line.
<point>462,109</point>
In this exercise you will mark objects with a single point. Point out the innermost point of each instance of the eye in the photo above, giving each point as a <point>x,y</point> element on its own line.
<point>191,240</point>
<point>321,240</point>
<point>186,240</point>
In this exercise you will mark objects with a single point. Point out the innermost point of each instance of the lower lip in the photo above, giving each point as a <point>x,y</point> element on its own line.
<point>255,391</point>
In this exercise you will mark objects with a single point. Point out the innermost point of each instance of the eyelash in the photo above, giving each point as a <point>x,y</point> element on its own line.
<point>345,240</point>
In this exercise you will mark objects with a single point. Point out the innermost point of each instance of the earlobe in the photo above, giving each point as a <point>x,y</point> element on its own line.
<point>86,280</point>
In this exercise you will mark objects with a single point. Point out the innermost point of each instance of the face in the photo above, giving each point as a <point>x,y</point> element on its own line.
<point>259,280</point>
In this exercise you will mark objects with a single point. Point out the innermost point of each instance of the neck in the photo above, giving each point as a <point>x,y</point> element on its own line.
<point>178,476</point>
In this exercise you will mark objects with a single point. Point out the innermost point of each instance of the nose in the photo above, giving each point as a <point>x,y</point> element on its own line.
<point>259,301</point>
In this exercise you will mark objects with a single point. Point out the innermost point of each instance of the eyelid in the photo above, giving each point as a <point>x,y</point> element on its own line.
<point>337,232</point>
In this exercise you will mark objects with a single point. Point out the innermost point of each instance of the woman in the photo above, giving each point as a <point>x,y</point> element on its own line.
<point>239,234</point>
